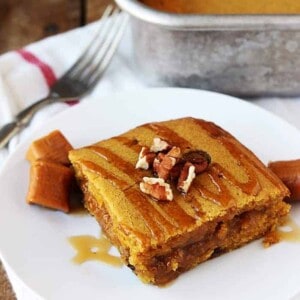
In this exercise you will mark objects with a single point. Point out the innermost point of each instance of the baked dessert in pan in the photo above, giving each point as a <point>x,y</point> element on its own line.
<point>231,202</point>
<point>226,7</point>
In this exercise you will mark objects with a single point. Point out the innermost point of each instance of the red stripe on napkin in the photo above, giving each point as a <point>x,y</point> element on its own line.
<point>44,68</point>
<point>72,102</point>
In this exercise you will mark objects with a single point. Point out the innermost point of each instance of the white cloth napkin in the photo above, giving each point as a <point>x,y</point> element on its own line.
<point>25,76</point>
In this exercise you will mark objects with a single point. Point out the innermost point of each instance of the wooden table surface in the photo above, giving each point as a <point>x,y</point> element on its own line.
<point>23,22</point>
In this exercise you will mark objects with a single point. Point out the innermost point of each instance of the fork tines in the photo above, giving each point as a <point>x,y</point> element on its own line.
<point>94,60</point>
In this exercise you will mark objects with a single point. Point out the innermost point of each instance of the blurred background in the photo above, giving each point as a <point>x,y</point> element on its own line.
<point>25,21</point>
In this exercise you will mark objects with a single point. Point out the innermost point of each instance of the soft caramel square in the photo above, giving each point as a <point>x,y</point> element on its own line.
<point>52,147</point>
<point>49,185</point>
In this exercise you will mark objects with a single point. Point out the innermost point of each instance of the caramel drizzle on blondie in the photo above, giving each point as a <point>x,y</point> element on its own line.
<point>117,161</point>
<point>122,184</point>
<point>155,214</point>
<point>216,172</point>
<point>195,205</point>
<point>223,195</point>
<point>129,142</point>
<point>169,135</point>
<point>251,187</point>
<point>180,216</point>
<point>157,224</point>
<point>237,150</point>
<point>153,220</point>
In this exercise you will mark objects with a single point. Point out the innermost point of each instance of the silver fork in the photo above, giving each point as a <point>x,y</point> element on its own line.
<point>82,77</point>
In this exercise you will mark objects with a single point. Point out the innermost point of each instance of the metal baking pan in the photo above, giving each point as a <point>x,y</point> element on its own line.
<point>244,55</point>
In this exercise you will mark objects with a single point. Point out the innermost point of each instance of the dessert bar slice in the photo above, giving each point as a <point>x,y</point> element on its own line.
<point>232,201</point>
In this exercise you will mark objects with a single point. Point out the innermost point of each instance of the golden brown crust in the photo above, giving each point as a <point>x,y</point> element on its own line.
<point>50,185</point>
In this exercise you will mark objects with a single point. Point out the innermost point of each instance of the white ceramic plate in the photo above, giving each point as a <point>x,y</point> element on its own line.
<point>33,241</point>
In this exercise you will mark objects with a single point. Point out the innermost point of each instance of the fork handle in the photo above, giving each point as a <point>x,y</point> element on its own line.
<point>22,120</point>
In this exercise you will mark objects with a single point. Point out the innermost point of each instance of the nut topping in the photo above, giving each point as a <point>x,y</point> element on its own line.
<point>174,152</point>
<point>159,145</point>
<point>187,175</point>
<point>145,159</point>
<point>171,167</point>
<point>200,159</point>
<point>157,188</point>
<point>164,163</point>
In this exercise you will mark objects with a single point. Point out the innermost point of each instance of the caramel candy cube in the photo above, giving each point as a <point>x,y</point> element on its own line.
<point>49,185</point>
<point>289,173</point>
<point>52,147</point>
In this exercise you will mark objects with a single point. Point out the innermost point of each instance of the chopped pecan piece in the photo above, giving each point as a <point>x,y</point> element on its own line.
<point>174,152</point>
<point>200,159</point>
<point>145,159</point>
<point>164,163</point>
<point>176,170</point>
<point>157,188</point>
<point>187,175</point>
<point>159,145</point>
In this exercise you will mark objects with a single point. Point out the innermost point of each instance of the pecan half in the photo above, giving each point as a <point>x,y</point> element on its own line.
<point>164,163</point>
<point>159,145</point>
<point>157,188</point>
<point>187,175</point>
<point>176,170</point>
<point>174,152</point>
<point>145,159</point>
<point>200,159</point>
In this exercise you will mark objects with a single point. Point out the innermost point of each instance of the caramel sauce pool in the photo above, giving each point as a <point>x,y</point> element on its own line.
<point>289,231</point>
<point>90,248</point>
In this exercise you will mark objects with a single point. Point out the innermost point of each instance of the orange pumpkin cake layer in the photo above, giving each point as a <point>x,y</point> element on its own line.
<point>226,7</point>
<point>236,200</point>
